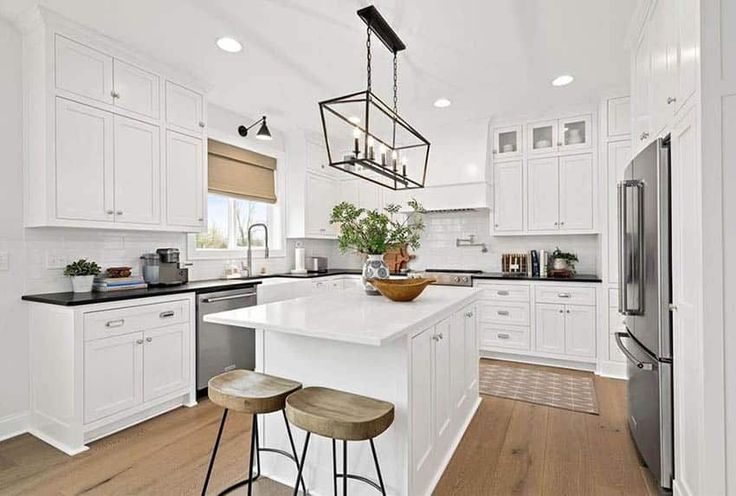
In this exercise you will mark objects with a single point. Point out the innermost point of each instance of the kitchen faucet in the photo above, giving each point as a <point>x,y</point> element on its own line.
<point>250,254</point>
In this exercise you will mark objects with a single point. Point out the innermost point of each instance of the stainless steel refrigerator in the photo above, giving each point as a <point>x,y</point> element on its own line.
<point>645,292</point>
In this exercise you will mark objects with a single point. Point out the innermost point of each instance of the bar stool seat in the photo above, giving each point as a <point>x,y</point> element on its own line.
<point>250,392</point>
<point>254,394</point>
<point>339,415</point>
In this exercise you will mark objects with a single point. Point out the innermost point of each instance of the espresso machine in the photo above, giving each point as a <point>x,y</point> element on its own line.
<point>169,272</point>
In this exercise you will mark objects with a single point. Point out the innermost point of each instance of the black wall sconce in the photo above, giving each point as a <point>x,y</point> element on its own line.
<point>263,132</point>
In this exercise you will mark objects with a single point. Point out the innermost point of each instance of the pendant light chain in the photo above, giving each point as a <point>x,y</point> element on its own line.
<point>396,85</point>
<point>368,55</point>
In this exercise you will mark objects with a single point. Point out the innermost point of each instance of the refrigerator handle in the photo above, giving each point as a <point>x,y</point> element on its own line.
<point>622,248</point>
<point>639,310</point>
<point>628,354</point>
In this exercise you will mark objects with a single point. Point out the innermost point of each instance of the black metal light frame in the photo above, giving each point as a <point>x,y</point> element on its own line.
<point>397,178</point>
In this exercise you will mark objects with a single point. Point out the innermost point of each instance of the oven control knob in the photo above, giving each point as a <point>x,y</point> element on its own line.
<point>465,279</point>
<point>457,279</point>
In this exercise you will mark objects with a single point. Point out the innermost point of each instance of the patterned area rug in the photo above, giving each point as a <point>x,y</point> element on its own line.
<point>536,385</point>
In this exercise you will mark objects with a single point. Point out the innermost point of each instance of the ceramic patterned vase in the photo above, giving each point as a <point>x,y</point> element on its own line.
<point>374,268</point>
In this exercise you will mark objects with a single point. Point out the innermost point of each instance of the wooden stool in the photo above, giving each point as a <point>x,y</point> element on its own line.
<point>339,415</point>
<point>254,393</point>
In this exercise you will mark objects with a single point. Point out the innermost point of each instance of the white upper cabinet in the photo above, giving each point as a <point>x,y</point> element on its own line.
<point>186,185</point>
<point>542,137</point>
<point>323,193</point>
<point>575,133</point>
<point>543,194</point>
<point>641,93</point>
<point>84,162</point>
<point>663,53</point>
<point>136,90</point>
<point>137,172</point>
<point>508,197</point>
<point>618,117</point>
<point>576,192</point>
<point>508,142</point>
<point>83,71</point>
<point>688,49</point>
<point>184,108</point>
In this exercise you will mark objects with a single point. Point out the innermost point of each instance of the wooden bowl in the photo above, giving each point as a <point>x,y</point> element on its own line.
<point>401,289</point>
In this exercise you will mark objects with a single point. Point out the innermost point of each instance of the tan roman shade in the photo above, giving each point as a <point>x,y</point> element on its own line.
<point>239,172</point>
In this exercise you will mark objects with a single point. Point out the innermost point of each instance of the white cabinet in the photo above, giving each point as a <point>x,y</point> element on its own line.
<point>422,394</point>
<point>688,49</point>
<point>471,350</point>
<point>186,174</point>
<point>575,133</point>
<point>165,361</point>
<point>137,172</point>
<point>618,117</point>
<point>550,328</point>
<point>542,137</point>
<point>508,197</point>
<point>84,162</point>
<point>363,194</point>
<point>136,90</point>
<point>663,53</point>
<point>508,142</point>
<point>83,71</point>
<point>322,193</point>
<point>543,194</point>
<point>576,192</point>
<point>641,93</point>
<point>184,108</point>
<point>113,375</point>
<point>443,404</point>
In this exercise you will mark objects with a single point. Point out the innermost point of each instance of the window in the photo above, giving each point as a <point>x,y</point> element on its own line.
<point>228,220</point>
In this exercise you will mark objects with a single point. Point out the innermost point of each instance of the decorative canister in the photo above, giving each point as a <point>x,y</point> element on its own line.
<point>374,268</point>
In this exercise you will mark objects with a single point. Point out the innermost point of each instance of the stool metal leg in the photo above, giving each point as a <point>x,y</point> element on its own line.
<point>301,465</point>
<point>253,448</point>
<point>214,453</point>
<point>334,467</point>
<point>293,450</point>
<point>344,468</point>
<point>378,468</point>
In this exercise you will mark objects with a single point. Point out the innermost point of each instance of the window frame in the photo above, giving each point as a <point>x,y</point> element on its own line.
<point>194,253</point>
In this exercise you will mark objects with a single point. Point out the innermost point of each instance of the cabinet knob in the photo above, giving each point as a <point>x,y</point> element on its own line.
<point>555,223</point>
<point>114,94</point>
<point>201,219</point>
<point>138,341</point>
<point>109,212</point>
<point>200,124</point>
<point>562,223</point>
<point>561,311</point>
<point>559,143</point>
<point>495,225</point>
<point>149,339</point>
<point>469,314</point>
<point>672,307</point>
<point>671,100</point>
<point>441,336</point>
<point>568,311</point>
<point>119,212</point>
<point>644,136</point>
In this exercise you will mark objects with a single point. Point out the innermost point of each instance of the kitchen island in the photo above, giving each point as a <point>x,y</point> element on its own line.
<point>422,356</point>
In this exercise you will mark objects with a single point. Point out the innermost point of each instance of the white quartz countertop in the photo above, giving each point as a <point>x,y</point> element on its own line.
<point>351,315</point>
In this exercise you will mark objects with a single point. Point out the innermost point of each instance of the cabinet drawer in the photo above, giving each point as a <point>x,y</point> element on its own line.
<point>565,294</point>
<point>504,292</point>
<point>513,337</point>
<point>504,312</point>
<point>107,323</point>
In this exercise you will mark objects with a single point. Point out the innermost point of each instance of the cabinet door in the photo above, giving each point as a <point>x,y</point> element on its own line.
<point>471,351</point>
<point>322,194</point>
<point>137,172</point>
<point>580,331</point>
<point>507,142</point>
<point>422,438</point>
<point>457,359</point>
<point>688,49</point>
<point>543,191</point>
<point>663,50</point>
<point>575,133</point>
<point>542,137</point>
<point>618,155</point>
<point>82,70</point>
<point>442,383</point>
<point>186,181</point>
<point>184,108</point>
<point>576,192</point>
<point>508,194</point>
<point>369,196</point>
<point>136,90</point>
<point>641,94</point>
<point>550,328</point>
<point>165,361</point>
<point>84,162</point>
<point>618,111</point>
<point>113,379</point>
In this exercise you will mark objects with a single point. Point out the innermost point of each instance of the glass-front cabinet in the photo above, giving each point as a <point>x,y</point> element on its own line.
<point>542,137</point>
<point>575,132</point>
<point>507,142</point>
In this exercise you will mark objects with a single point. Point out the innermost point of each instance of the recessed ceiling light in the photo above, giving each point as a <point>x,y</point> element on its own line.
<point>442,103</point>
<point>563,80</point>
<point>354,119</point>
<point>228,44</point>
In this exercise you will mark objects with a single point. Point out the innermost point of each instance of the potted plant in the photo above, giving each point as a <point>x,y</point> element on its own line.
<point>563,261</point>
<point>82,273</point>
<point>371,233</point>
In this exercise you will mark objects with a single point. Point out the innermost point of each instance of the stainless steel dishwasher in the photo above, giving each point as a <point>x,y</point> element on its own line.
<point>219,347</point>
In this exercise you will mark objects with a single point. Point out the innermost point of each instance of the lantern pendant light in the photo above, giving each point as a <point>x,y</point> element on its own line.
<point>366,137</point>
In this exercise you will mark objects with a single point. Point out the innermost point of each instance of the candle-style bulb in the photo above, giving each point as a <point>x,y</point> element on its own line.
<point>356,142</point>
<point>371,154</point>
<point>382,148</point>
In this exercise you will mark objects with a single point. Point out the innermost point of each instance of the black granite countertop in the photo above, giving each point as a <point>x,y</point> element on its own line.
<point>524,277</point>
<point>69,298</point>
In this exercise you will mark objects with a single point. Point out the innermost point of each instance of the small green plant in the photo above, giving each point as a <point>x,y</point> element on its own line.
<point>373,233</point>
<point>82,268</point>
<point>570,258</point>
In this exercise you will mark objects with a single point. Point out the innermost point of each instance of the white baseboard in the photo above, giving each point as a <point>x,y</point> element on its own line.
<point>14,425</point>
<point>614,370</point>
<point>538,360</point>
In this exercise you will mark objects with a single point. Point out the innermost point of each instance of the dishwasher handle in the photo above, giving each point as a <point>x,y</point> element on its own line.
<point>215,299</point>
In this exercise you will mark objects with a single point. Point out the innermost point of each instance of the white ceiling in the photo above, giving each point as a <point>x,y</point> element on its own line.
<point>490,57</point>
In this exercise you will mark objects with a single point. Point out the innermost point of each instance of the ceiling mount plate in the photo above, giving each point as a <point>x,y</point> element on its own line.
<point>378,25</point>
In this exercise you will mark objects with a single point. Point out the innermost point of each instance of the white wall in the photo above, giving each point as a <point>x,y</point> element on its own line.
<point>13,333</point>
<point>438,248</point>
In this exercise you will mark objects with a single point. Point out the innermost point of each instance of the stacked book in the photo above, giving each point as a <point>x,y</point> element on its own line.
<point>118,283</point>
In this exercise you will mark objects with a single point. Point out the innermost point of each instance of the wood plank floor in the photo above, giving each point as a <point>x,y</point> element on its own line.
<point>510,448</point>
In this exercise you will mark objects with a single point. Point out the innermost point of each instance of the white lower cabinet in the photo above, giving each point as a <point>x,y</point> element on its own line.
<point>566,329</point>
<point>444,389</point>
<point>99,368</point>
<point>551,328</point>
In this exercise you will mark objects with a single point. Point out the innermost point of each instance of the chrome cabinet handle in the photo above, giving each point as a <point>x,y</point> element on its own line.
<point>115,323</point>
<point>109,212</point>
<point>200,124</point>
<point>503,335</point>
<point>138,341</point>
<point>672,307</point>
<point>119,212</point>
<point>250,294</point>
<point>149,339</point>
<point>643,136</point>
<point>671,100</point>
<point>200,219</point>
<point>563,295</point>
<point>502,292</point>
<point>502,312</point>
<point>114,94</point>
<point>469,314</point>
<point>166,314</point>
